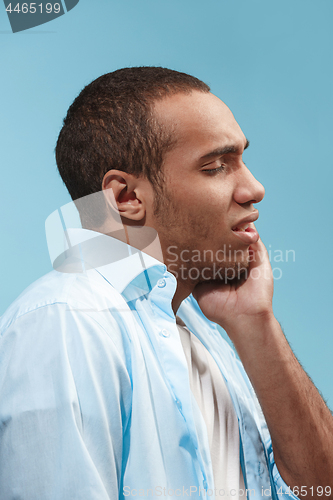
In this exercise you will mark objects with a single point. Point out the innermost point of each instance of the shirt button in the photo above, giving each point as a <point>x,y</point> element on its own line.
<point>161,283</point>
<point>165,333</point>
<point>178,403</point>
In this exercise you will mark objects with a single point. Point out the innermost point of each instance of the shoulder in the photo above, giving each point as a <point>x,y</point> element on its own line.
<point>76,291</point>
<point>60,308</point>
<point>52,288</point>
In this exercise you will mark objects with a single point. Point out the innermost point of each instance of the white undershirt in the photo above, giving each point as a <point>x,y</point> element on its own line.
<point>213,399</point>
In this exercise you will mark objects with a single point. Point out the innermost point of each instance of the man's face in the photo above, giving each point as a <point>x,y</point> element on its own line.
<point>207,192</point>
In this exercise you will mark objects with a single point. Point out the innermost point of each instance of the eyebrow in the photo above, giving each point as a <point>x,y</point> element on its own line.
<point>224,151</point>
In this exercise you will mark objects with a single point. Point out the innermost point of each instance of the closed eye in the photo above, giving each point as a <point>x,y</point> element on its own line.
<point>213,171</point>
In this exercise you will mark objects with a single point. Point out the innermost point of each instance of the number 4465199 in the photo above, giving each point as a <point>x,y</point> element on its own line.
<point>32,8</point>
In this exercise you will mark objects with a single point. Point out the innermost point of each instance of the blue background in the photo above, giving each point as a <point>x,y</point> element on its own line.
<point>271,62</point>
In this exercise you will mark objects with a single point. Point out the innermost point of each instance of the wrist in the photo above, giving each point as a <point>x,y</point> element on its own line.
<point>252,327</point>
<point>257,320</point>
<point>260,340</point>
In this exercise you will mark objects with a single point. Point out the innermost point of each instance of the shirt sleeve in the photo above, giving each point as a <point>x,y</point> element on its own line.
<point>65,398</point>
<point>279,489</point>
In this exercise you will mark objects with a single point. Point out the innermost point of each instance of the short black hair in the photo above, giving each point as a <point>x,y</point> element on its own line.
<point>111,125</point>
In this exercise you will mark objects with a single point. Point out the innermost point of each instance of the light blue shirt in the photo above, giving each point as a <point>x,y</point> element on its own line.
<point>95,401</point>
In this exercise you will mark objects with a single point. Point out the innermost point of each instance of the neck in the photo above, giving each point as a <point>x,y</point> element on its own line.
<point>183,290</point>
<point>143,238</point>
<point>146,239</point>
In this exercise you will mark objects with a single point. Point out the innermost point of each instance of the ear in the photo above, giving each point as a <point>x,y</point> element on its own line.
<point>127,194</point>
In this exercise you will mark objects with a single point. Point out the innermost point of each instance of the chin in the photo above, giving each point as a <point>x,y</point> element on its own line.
<point>214,272</point>
<point>236,270</point>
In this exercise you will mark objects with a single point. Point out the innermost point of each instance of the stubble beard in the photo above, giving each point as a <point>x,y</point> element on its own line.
<point>176,234</point>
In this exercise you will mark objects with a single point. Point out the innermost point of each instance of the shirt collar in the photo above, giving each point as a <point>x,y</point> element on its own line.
<point>130,271</point>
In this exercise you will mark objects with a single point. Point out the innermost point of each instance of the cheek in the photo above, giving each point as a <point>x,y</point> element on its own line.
<point>205,224</point>
<point>200,210</point>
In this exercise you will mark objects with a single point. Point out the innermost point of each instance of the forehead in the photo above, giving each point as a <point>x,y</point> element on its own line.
<point>200,122</point>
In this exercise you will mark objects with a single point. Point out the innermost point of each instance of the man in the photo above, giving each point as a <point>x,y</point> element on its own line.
<point>115,381</point>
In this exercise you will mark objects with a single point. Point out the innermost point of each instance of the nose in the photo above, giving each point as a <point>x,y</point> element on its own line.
<point>248,189</point>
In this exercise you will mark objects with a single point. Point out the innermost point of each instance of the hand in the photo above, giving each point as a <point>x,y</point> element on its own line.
<point>236,303</point>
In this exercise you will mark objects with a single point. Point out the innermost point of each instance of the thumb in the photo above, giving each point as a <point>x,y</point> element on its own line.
<point>259,264</point>
<point>258,254</point>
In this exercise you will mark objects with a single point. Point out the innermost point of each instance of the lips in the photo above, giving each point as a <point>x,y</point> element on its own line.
<point>241,227</point>
<point>245,229</point>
